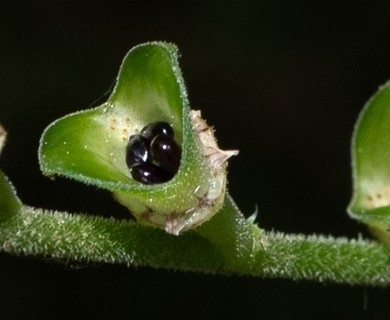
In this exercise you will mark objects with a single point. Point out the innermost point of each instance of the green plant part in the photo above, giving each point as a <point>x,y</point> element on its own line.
<point>371,165</point>
<point>10,204</point>
<point>89,146</point>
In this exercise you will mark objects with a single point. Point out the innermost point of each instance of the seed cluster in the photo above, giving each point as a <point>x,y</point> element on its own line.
<point>153,156</point>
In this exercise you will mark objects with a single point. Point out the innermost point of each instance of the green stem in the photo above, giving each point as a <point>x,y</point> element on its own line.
<point>228,244</point>
<point>325,259</point>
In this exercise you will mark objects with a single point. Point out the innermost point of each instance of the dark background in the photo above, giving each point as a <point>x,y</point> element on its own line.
<point>283,81</point>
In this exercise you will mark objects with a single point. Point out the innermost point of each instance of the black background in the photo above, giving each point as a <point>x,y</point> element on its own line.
<point>283,81</point>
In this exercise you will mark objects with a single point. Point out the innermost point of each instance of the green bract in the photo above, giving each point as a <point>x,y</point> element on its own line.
<point>89,146</point>
<point>371,165</point>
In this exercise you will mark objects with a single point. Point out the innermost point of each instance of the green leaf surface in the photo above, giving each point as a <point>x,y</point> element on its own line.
<point>371,164</point>
<point>90,145</point>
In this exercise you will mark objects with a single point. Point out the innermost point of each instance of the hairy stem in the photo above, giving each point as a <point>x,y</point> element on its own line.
<point>228,244</point>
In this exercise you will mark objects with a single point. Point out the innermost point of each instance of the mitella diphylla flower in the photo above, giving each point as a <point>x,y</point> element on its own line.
<point>90,146</point>
<point>370,202</point>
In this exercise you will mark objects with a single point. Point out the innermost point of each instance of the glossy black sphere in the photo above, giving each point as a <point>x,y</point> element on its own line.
<point>137,150</point>
<point>149,173</point>
<point>156,128</point>
<point>153,156</point>
<point>166,152</point>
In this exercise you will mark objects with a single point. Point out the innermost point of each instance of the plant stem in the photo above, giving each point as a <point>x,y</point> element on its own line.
<point>228,244</point>
<point>325,259</point>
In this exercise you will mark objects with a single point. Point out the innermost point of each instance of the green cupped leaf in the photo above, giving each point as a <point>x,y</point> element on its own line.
<point>371,165</point>
<point>90,145</point>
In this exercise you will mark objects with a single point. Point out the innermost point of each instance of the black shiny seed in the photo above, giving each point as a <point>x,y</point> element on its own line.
<point>159,165</point>
<point>166,152</point>
<point>137,150</point>
<point>149,173</point>
<point>155,128</point>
